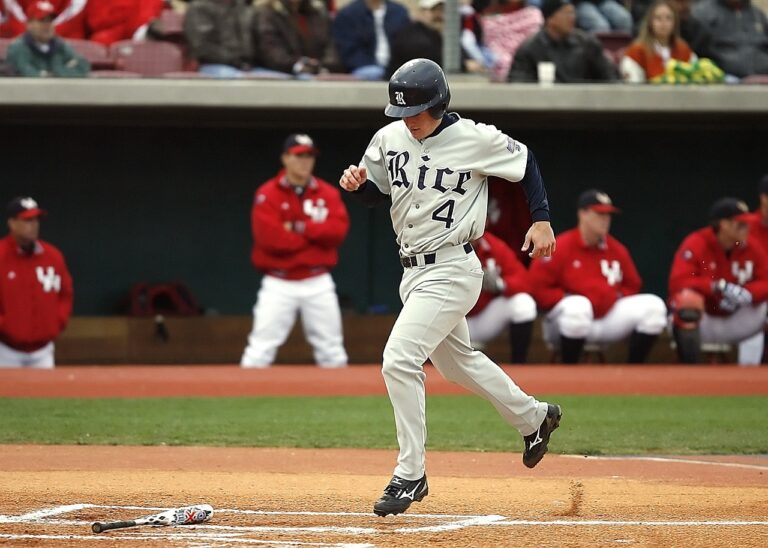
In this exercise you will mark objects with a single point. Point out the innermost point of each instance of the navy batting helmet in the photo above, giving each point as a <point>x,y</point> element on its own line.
<point>417,86</point>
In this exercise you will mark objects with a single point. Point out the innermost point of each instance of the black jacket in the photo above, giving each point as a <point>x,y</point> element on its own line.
<point>578,57</point>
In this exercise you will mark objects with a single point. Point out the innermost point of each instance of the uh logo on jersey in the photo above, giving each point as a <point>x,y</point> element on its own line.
<point>743,275</point>
<point>317,211</point>
<point>48,279</point>
<point>612,271</point>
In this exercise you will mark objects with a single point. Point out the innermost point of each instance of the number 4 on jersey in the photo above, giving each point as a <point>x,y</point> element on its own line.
<point>448,217</point>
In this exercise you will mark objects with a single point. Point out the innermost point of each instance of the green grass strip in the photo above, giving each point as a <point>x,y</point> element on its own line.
<point>593,425</point>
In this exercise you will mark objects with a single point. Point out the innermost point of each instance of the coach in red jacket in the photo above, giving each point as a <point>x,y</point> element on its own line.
<point>590,288</point>
<point>505,299</point>
<point>35,290</point>
<point>718,285</point>
<point>298,222</point>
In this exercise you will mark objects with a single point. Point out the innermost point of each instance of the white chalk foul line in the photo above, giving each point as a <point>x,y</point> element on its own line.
<point>208,538</point>
<point>613,523</point>
<point>45,513</point>
<point>670,460</point>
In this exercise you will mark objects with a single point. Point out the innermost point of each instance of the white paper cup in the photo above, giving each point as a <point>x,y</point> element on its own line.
<point>546,71</point>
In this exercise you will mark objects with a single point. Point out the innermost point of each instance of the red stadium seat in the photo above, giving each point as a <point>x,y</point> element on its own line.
<point>169,26</point>
<point>97,54</point>
<point>113,74</point>
<point>147,58</point>
<point>4,45</point>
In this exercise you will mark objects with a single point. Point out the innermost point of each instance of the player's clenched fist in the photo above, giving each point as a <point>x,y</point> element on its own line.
<point>353,177</point>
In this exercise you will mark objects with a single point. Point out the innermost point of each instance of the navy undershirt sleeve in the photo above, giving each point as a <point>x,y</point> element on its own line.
<point>534,190</point>
<point>370,195</point>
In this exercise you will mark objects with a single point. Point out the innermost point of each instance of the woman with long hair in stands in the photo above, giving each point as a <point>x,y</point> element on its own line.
<point>658,41</point>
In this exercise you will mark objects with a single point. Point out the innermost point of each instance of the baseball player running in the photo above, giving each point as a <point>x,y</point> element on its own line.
<point>433,166</point>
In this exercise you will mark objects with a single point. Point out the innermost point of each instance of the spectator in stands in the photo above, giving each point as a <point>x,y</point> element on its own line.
<point>658,42</point>
<point>691,29</point>
<point>739,34</point>
<point>220,34</point>
<point>35,290</point>
<point>70,19</point>
<point>363,31</point>
<point>505,26</point>
<point>39,52</point>
<point>298,222</point>
<point>578,56</point>
<point>295,37</point>
<point>590,288</point>
<point>718,284</point>
<point>602,16</point>
<point>505,300</point>
<point>423,37</point>
<point>109,21</point>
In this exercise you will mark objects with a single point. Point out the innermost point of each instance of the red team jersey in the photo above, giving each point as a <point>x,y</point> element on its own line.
<point>320,222</point>
<point>700,260</point>
<point>508,215</point>
<point>758,230</point>
<point>35,295</point>
<point>603,273</point>
<point>511,270</point>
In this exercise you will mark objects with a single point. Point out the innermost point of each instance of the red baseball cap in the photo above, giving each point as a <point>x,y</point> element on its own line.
<point>40,9</point>
<point>597,200</point>
<point>23,207</point>
<point>300,143</point>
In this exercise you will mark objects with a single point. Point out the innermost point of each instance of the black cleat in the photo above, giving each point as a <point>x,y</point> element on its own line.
<point>400,494</point>
<point>536,443</point>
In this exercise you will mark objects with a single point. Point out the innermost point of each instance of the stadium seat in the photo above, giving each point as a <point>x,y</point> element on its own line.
<point>113,74</point>
<point>169,26</point>
<point>97,54</point>
<point>755,79</point>
<point>147,58</point>
<point>4,45</point>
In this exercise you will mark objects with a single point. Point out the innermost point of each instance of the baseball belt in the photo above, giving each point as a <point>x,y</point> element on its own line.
<point>431,258</point>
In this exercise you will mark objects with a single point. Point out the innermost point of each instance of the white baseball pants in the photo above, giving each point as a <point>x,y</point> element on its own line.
<point>499,313</point>
<point>743,326</point>
<point>275,312</point>
<point>432,324</point>
<point>573,317</point>
<point>39,359</point>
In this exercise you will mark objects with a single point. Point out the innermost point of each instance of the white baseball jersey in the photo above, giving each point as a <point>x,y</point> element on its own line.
<point>439,186</point>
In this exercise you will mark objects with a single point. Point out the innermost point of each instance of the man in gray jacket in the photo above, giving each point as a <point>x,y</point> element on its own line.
<point>739,35</point>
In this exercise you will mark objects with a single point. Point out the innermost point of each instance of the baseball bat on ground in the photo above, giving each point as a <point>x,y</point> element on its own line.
<point>175,516</point>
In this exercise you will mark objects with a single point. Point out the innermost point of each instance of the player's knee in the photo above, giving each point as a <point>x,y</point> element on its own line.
<point>522,308</point>
<point>654,315</point>
<point>576,318</point>
<point>401,356</point>
<point>687,309</point>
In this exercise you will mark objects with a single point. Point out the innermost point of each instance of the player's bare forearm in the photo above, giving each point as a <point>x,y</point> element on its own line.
<point>540,239</point>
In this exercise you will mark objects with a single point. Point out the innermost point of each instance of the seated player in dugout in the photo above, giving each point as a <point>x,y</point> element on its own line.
<point>718,284</point>
<point>299,221</point>
<point>505,300</point>
<point>590,289</point>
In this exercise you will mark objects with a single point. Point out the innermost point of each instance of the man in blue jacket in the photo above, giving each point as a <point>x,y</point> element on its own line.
<point>363,31</point>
